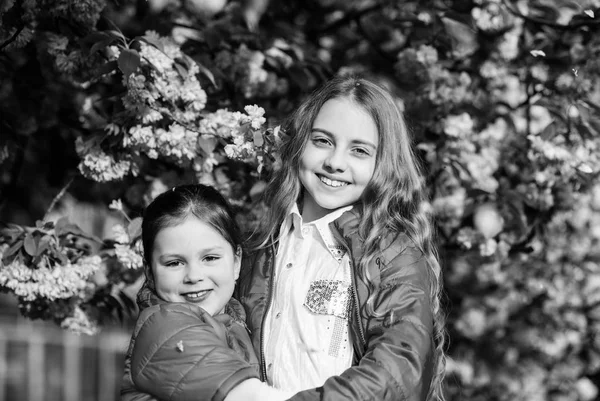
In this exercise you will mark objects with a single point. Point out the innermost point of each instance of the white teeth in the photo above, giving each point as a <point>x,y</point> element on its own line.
<point>195,294</point>
<point>332,183</point>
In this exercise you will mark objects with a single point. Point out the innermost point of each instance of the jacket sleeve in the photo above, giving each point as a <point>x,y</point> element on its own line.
<point>398,360</point>
<point>181,354</point>
<point>128,390</point>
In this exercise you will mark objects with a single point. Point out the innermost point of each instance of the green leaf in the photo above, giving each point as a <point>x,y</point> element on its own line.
<point>135,228</point>
<point>64,228</point>
<point>258,139</point>
<point>545,10</point>
<point>43,244</point>
<point>88,144</point>
<point>10,254</point>
<point>589,118</point>
<point>129,61</point>
<point>60,225</point>
<point>203,70</point>
<point>44,225</point>
<point>29,244</point>
<point>102,45</point>
<point>12,232</point>
<point>63,259</point>
<point>117,35</point>
<point>464,38</point>
<point>153,42</point>
<point>181,70</point>
<point>207,144</point>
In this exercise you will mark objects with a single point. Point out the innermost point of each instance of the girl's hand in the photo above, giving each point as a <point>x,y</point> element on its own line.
<point>255,390</point>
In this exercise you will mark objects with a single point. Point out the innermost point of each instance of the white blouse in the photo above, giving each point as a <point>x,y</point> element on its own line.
<point>306,337</point>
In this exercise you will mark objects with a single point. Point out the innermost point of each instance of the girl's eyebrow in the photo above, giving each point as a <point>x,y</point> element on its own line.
<point>356,141</point>
<point>166,256</point>
<point>202,251</point>
<point>212,249</point>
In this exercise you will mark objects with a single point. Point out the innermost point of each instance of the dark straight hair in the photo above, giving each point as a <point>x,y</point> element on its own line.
<point>175,205</point>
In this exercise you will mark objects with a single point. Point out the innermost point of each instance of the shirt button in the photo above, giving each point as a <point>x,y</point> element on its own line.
<point>278,315</point>
<point>270,366</point>
<point>306,230</point>
<point>289,265</point>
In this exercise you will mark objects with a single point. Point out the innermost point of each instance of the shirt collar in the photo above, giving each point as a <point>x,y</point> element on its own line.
<point>294,218</point>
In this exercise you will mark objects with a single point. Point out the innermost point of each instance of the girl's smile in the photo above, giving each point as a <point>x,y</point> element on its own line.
<point>195,297</point>
<point>331,182</point>
<point>339,159</point>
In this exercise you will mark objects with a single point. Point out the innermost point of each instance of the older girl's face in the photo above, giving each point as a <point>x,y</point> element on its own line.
<point>191,262</point>
<point>339,159</point>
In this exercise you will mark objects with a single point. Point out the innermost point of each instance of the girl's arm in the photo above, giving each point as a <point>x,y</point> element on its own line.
<point>181,353</point>
<point>255,390</point>
<point>399,357</point>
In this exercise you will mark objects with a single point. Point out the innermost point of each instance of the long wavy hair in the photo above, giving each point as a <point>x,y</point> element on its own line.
<point>392,201</point>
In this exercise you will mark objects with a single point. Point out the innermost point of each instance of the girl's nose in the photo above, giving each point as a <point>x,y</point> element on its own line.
<point>193,274</point>
<point>336,161</point>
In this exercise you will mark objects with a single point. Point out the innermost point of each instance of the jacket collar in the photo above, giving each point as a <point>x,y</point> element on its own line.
<point>147,297</point>
<point>347,223</point>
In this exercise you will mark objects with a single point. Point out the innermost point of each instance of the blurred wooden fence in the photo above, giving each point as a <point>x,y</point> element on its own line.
<point>41,362</point>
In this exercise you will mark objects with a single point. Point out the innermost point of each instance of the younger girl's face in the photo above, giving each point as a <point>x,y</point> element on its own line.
<point>193,263</point>
<point>339,159</point>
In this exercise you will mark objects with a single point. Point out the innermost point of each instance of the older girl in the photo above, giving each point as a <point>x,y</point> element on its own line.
<point>343,291</point>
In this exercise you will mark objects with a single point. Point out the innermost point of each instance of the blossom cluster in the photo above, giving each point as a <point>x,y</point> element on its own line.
<point>159,87</point>
<point>158,93</point>
<point>128,252</point>
<point>51,283</point>
<point>100,166</point>
<point>243,133</point>
<point>80,323</point>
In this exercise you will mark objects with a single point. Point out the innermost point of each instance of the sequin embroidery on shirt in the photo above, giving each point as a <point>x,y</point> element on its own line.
<point>329,297</point>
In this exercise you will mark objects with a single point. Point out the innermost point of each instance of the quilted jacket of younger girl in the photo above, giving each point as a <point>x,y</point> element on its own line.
<point>179,352</point>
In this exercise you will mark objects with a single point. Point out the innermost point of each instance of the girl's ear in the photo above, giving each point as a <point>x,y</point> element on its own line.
<point>237,260</point>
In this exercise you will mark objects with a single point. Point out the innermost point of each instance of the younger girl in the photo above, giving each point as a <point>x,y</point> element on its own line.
<point>342,293</point>
<point>190,341</point>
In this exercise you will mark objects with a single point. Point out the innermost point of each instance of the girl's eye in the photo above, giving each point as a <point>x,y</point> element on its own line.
<point>174,263</point>
<point>362,152</point>
<point>320,141</point>
<point>211,258</point>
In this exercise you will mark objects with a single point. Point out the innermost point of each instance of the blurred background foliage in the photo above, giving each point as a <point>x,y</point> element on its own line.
<point>106,103</point>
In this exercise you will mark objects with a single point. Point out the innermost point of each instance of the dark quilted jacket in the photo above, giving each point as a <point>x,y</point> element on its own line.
<point>394,350</point>
<point>180,352</point>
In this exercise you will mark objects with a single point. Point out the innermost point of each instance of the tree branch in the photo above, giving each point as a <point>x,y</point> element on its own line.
<point>57,198</point>
<point>12,38</point>
<point>552,24</point>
